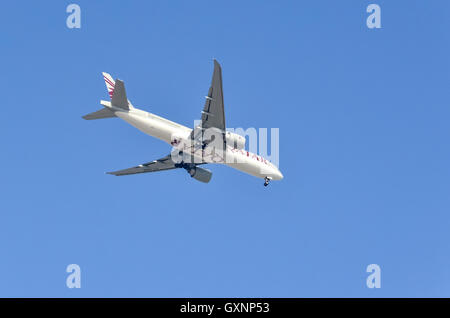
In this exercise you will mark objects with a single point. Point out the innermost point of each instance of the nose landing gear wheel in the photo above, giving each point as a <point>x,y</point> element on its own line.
<point>266,181</point>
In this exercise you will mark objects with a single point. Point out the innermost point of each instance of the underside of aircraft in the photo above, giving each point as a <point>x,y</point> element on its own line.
<point>210,134</point>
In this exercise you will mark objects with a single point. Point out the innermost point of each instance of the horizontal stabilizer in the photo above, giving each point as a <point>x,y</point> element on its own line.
<point>99,114</point>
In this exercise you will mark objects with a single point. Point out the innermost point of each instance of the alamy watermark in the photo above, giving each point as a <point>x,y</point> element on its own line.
<point>374,19</point>
<point>212,145</point>
<point>74,279</point>
<point>73,21</point>
<point>374,279</point>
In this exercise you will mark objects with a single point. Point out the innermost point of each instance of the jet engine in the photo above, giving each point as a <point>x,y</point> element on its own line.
<point>234,140</point>
<point>200,174</point>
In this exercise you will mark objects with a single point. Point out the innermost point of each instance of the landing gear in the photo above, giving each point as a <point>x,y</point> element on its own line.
<point>266,181</point>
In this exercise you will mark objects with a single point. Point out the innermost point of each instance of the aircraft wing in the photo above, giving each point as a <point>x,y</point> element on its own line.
<point>165,163</point>
<point>213,114</point>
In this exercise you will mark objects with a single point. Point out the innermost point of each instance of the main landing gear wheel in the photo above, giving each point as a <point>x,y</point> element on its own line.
<point>266,181</point>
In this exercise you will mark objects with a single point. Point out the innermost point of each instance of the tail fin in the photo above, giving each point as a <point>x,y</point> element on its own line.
<point>119,97</point>
<point>117,93</point>
<point>110,83</point>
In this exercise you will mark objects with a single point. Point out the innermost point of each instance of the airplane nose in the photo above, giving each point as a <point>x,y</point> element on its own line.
<point>277,175</point>
<point>280,175</point>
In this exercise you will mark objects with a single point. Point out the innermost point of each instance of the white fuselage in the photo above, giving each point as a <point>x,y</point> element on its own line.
<point>167,130</point>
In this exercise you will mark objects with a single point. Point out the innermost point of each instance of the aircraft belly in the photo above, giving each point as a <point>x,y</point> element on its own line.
<point>149,126</point>
<point>251,166</point>
<point>247,168</point>
<point>243,163</point>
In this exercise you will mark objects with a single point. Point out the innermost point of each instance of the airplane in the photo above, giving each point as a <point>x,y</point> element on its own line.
<point>207,142</point>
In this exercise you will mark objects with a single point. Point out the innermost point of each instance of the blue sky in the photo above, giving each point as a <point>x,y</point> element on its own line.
<point>363,118</point>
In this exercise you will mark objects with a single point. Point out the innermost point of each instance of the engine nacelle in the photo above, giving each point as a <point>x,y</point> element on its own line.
<point>200,174</point>
<point>234,140</point>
